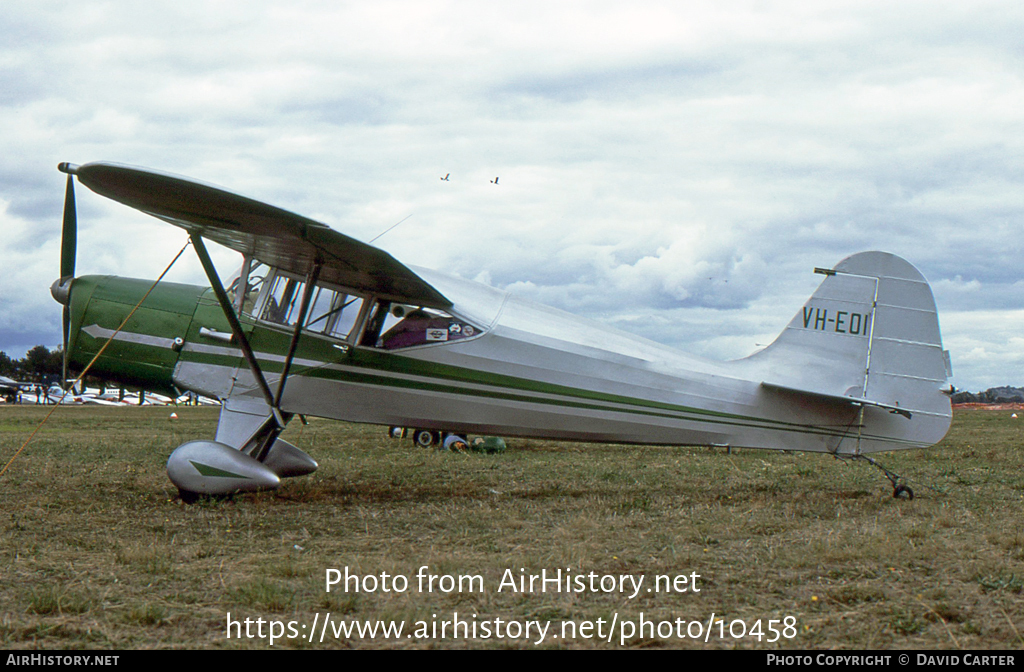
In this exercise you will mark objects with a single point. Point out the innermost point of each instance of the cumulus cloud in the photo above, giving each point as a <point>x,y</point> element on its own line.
<point>675,170</point>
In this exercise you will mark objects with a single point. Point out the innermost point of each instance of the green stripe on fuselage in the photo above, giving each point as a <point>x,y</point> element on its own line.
<point>374,366</point>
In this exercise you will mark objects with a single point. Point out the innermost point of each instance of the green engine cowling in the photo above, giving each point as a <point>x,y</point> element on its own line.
<point>144,353</point>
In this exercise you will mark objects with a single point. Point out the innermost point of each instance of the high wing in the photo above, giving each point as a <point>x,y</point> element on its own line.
<point>274,236</point>
<point>8,385</point>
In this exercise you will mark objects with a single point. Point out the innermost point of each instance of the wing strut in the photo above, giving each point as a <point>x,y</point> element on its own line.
<point>236,326</point>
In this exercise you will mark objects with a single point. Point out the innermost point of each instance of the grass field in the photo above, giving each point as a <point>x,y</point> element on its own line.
<point>98,551</point>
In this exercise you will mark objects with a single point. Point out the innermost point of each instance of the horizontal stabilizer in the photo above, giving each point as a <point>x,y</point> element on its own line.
<point>853,401</point>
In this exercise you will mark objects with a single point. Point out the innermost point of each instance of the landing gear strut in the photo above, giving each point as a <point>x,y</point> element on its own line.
<point>898,489</point>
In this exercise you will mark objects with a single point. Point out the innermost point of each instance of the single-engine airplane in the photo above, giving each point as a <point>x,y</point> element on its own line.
<point>318,323</point>
<point>11,390</point>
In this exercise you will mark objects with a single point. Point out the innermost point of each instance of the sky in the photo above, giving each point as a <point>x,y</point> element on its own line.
<point>674,169</point>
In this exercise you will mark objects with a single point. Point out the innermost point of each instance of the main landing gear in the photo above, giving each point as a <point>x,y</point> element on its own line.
<point>423,438</point>
<point>432,438</point>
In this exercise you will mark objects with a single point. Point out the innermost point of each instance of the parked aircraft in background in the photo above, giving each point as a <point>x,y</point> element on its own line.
<point>11,389</point>
<point>318,323</point>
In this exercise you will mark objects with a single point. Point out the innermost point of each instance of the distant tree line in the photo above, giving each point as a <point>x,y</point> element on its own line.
<point>993,395</point>
<point>39,364</point>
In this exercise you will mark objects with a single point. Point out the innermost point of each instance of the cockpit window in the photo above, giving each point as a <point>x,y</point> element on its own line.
<point>391,326</point>
<point>332,311</point>
<point>257,274</point>
<point>282,303</point>
<point>338,314</point>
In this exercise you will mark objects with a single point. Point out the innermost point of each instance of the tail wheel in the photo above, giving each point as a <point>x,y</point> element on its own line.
<point>901,490</point>
<point>425,438</point>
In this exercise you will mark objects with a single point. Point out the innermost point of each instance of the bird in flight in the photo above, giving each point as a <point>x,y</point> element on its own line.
<point>494,181</point>
<point>445,178</point>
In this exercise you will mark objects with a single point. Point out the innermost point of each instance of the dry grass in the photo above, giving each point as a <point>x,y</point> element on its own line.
<point>98,551</point>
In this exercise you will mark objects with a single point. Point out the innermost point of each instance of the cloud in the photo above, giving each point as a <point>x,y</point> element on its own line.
<point>676,170</point>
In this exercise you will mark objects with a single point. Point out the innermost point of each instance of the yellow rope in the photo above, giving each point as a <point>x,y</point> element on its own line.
<point>95,357</point>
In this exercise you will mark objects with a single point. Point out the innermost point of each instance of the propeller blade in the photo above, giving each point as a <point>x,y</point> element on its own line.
<point>69,231</point>
<point>68,252</point>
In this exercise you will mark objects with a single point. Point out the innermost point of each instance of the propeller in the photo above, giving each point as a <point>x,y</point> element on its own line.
<point>61,289</point>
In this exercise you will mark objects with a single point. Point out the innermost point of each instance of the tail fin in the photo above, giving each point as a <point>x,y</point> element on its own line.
<point>869,336</point>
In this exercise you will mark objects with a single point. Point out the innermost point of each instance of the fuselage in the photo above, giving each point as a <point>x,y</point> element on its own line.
<point>523,370</point>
